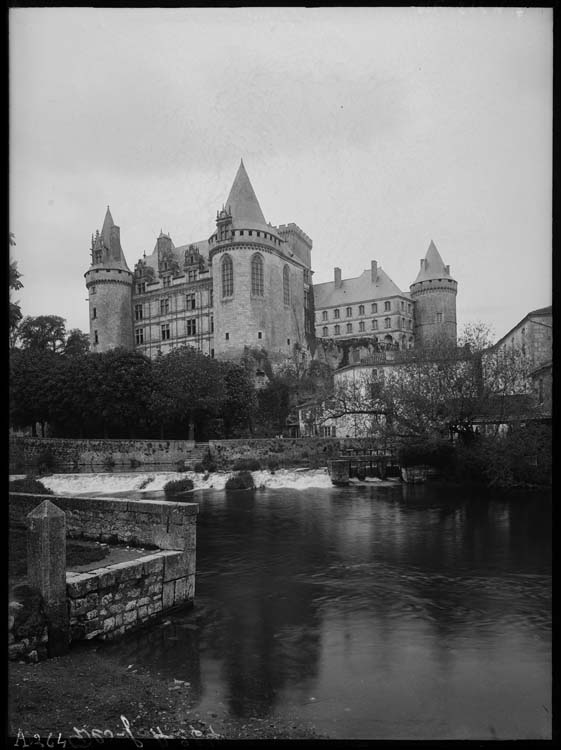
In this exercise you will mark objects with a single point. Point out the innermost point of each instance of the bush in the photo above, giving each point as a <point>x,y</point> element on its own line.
<point>31,485</point>
<point>240,481</point>
<point>207,463</point>
<point>246,464</point>
<point>273,464</point>
<point>177,487</point>
<point>45,461</point>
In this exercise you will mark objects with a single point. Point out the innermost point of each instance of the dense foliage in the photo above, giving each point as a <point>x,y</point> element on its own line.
<point>243,480</point>
<point>177,487</point>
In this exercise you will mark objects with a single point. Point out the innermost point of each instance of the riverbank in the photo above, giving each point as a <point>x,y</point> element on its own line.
<point>63,695</point>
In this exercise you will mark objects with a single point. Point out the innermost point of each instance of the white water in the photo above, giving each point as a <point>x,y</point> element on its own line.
<point>107,483</point>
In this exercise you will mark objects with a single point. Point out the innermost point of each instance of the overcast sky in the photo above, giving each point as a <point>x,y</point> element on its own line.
<point>373,129</point>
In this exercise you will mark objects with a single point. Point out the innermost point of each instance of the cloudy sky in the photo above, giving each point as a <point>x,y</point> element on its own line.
<point>374,129</point>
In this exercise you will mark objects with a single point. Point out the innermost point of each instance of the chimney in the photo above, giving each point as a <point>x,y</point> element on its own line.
<point>374,270</point>
<point>338,281</point>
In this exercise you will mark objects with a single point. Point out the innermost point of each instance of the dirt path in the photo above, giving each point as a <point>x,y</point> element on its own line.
<point>64,695</point>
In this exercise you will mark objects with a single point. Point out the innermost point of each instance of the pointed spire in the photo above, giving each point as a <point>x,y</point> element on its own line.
<point>432,266</point>
<point>108,223</point>
<point>242,201</point>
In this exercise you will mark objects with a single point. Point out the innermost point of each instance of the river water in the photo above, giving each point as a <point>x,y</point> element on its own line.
<point>383,612</point>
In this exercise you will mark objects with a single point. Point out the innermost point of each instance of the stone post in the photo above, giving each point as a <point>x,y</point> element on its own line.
<point>46,570</point>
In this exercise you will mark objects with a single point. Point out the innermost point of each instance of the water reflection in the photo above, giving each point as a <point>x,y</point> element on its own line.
<point>389,612</point>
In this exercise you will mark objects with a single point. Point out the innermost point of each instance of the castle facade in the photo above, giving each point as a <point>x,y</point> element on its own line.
<point>249,285</point>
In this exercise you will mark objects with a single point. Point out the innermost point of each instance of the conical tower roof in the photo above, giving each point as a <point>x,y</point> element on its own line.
<point>432,267</point>
<point>242,202</point>
<point>110,237</point>
<point>106,228</point>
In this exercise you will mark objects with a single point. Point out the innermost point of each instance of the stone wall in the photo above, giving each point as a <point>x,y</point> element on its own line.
<point>28,451</point>
<point>109,600</point>
<point>94,453</point>
<point>285,451</point>
<point>106,602</point>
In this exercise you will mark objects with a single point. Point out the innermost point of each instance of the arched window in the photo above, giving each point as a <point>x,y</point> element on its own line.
<point>257,276</point>
<point>227,276</point>
<point>286,286</point>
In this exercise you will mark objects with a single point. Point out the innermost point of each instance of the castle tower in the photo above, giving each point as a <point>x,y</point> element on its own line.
<point>109,284</point>
<point>434,292</point>
<point>259,280</point>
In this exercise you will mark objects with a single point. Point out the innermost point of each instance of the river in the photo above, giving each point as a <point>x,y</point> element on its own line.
<point>384,612</point>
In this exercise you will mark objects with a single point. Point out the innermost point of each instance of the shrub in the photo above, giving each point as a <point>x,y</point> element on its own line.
<point>45,461</point>
<point>246,464</point>
<point>273,464</point>
<point>207,463</point>
<point>177,487</point>
<point>31,485</point>
<point>240,481</point>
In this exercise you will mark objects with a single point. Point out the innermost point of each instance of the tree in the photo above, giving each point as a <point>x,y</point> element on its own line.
<point>31,387</point>
<point>43,332</point>
<point>14,313</point>
<point>239,399</point>
<point>76,343</point>
<point>187,391</point>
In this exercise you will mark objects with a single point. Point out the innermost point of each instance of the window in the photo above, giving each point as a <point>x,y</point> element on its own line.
<point>164,306</point>
<point>165,332</point>
<point>250,232</point>
<point>337,330</point>
<point>227,276</point>
<point>286,285</point>
<point>325,331</point>
<point>387,322</point>
<point>408,307</point>
<point>93,290</point>
<point>410,324</point>
<point>96,338</point>
<point>192,327</point>
<point>94,313</point>
<point>374,325</point>
<point>212,353</point>
<point>141,288</point>
<point>349,327</point>
<point>212,324</point>
<point>259,334</point>
<point>349,312</point>
<point>387,305</point>
<point>97,256</point>
<point>190,303</point>
<point>361,325</point>
<point>139,335</point>
<point>361,309</point>
<point>439,317</point>
<point>403,322</point>
<point>138,312</point>
<point>336,313</point>
<point>402,305</point>
<point>227,336</point>
<point>374,307</point>
<point>257,276</point>
<point>166,281</point>
<point>324,315</point>
<point>191,276</point>
<point>288,342</point>
<point>210,298</point>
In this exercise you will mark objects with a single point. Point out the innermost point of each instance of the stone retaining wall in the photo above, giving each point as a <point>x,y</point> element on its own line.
<point>26,451</point>
<point>107,602</point>
<point>111,599</point>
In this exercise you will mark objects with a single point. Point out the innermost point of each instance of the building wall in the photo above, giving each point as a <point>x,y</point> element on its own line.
<point>257,321</point>
<point>434,298</point>
<point>110,308</point>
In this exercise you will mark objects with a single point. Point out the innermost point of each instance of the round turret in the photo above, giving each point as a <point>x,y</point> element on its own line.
<point>109,283</point>
<point>434,293</point>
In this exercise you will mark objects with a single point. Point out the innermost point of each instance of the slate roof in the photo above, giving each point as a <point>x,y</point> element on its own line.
<point>357,289</point>
<point>433,267</point>
<point>243,204</point>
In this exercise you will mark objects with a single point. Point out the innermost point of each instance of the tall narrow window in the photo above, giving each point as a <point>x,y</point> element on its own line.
<point>94,314</point>
<point>257,276</point>
<point>349,312</point>
<point>387,322</point>
<point>325,331</point>
<point>227,276</point>
<point>374,307</point>
<point>387,305</point>
<point>138,312</point>
<point>324,315</point>
<point>165,332</point>
<point>164,306</point>
<point>286,287</point>
<point>190,302</point>
<point>374,325</point>
<point>139,335</point>
<point>361,325</point>
<point>336,313</point>
<point>96,338</point>
<point>361,309</point>
<point>337,330</point>
<point>349,327</point>
<point>192,327</point>
<point>439,319</point>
